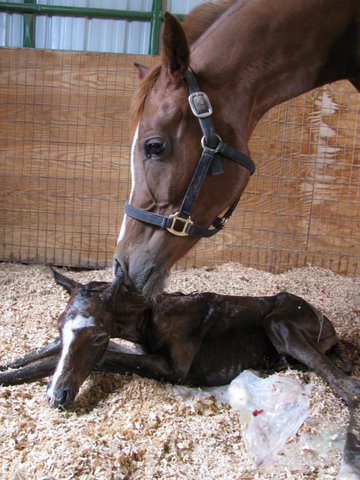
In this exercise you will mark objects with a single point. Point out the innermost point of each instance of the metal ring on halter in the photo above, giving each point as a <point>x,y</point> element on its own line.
<point>209,149</point>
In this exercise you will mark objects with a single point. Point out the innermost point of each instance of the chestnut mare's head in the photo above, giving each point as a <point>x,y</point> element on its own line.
<point>165,153</point>
<point>246,56</point>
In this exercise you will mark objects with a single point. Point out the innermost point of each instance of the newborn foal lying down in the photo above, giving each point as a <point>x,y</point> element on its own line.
<point>197,339</point>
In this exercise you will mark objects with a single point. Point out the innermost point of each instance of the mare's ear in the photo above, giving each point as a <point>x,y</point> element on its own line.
<point>142,70</point>
<point>67,283</point>
<point>175,48</point>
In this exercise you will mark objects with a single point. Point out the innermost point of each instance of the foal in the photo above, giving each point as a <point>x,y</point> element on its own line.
<point>196,339</point>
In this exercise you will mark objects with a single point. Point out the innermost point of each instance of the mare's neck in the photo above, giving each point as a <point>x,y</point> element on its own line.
<point>262,53</point>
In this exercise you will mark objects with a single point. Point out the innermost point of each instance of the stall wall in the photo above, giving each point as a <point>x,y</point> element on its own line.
<point>64,169</point>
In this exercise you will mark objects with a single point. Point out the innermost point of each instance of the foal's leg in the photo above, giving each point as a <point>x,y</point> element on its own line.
<point>32,366</point>
<point>118,360</point>
<point>33,371</point>
<point>290,340</point>
<point>52,348</point>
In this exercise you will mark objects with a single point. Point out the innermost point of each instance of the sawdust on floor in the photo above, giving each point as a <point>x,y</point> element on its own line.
<point>134,428</point>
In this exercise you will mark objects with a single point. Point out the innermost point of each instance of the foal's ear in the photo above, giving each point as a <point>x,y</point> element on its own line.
<point>175,47</point>
<point>67,283</point>
<point>142,70</point>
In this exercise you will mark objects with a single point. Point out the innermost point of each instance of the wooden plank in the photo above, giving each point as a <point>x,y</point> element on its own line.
<point>67,160</point>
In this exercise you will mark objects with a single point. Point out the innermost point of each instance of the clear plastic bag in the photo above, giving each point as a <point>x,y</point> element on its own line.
<point>271,409</point>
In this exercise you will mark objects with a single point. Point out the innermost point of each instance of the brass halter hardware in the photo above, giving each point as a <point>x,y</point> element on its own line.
<point>176,222</point>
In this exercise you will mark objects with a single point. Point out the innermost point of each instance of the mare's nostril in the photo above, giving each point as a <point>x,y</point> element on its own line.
<point>118,271</point>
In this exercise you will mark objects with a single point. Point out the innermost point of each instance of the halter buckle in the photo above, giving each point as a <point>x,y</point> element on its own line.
<point>200,104</point>
<point>179,225</point>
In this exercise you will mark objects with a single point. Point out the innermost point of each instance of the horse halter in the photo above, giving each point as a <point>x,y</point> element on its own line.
<point>180,223</point>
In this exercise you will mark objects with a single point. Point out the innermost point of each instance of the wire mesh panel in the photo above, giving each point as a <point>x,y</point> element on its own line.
<point>63,155</point>
<point>302,205</point>
<point>64,169</point>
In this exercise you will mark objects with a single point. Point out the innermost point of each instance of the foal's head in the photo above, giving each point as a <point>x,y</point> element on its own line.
<point>84,334</point>
<point>95,312</point>
<point>165,152</point>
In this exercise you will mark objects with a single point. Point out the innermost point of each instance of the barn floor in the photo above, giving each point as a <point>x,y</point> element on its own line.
<point>134,428</point>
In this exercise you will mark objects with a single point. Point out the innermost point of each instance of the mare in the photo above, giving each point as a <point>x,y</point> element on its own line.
<point>196,339</point>
<point>236,59</point>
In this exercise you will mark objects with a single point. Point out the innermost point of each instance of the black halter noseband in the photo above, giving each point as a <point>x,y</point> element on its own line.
<point>180,223</point>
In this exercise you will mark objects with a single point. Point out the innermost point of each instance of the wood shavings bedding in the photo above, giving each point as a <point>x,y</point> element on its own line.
<point>134,428</point>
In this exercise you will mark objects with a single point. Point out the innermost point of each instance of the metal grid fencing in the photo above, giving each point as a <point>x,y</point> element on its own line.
<point>302,205</point>
<point>64,169</point>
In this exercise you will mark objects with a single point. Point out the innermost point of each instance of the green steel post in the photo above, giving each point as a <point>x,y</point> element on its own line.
<point>30,9</point>
<point>155,28</point>
<point>180,16</point>
<point>29,28</point>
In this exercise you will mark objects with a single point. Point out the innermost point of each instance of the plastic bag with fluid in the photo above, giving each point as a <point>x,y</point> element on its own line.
<point>272,409</point>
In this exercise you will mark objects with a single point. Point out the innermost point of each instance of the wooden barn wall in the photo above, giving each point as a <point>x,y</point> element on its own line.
<point>64,170</point>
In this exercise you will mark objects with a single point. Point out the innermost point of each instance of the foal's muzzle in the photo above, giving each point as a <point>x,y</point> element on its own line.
<point>60,397</point>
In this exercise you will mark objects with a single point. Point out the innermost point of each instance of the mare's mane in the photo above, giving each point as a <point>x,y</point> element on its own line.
<point>203,16</point>
<point>195,24</point>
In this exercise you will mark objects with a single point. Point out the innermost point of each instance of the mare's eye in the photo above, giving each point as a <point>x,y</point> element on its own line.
<point>154,147</point>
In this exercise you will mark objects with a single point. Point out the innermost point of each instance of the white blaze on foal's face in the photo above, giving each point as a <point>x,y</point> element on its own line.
<point>70,329</point>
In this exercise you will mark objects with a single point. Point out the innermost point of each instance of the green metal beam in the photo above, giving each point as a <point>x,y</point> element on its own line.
<point>29,28</point>
<point>65,11</point>
<point>29,9</point>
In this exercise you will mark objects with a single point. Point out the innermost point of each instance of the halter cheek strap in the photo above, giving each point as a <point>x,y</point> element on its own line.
<point>201,108</point>
<point>180,223</point>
